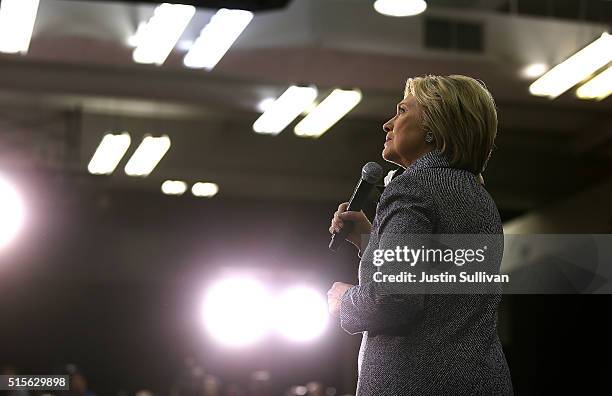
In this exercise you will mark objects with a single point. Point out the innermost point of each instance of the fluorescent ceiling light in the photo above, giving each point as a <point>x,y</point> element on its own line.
<point>17,19</point>
<point>134,39</point>
<point>158,36</point>
<point>285,109</point>
<point>204,189</point>
<point>217,37</point>
<point>534,70</point>
<point>148,154</point>
<point>174,187</point>
<point>328,112</point>
<point>400,8</point>
<point>598,87</point>
<point>265,104</point>
<point>108,154</point>
<point>184,45</point>
<point>574,69</point>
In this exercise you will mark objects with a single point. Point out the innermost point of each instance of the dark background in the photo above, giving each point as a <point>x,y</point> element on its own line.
<point>65,300</point>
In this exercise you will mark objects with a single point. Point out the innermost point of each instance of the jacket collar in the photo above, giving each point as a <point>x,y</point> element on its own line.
<point>433,159</point>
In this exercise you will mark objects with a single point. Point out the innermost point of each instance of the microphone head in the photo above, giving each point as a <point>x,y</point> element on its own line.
<point>371,172</point>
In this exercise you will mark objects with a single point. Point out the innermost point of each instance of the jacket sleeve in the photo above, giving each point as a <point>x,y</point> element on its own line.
<point>404,208</point>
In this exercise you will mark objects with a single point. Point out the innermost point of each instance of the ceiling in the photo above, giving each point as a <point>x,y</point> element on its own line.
<point>78,81</point>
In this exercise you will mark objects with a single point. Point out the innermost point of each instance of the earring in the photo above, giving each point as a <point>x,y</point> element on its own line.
<point>429,137</point>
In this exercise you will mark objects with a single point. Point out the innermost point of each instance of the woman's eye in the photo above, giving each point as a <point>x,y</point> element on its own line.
<point>401,110</point>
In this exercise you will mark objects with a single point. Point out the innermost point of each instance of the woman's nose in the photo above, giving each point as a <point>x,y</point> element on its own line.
<point>387,127</point>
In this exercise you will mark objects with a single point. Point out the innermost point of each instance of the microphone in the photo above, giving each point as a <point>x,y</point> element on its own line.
<point>370,175</point>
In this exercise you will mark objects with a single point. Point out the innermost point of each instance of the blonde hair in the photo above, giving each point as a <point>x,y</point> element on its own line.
<point>461,114</point>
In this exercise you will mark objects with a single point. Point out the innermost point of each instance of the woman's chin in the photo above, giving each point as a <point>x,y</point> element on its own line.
<point>390,156</point>
<point>387,154</point>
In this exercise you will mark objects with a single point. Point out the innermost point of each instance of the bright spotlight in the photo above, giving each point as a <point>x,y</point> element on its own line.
<point>11,212</point>
<point>236,311</point>
<point>301,314</point>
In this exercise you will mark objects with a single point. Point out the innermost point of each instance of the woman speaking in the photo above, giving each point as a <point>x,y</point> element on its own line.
<point>428,344</point>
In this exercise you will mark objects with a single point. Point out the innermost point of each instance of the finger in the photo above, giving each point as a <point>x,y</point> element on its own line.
<point>351,215</point>
<point>336,216</point>
<point>342,207</point>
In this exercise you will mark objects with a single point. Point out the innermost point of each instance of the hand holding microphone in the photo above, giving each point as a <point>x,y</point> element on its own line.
<point>349,222</point>
<point>360,224</point>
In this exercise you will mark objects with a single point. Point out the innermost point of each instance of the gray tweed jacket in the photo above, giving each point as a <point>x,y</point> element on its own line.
<point>428,344</point>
